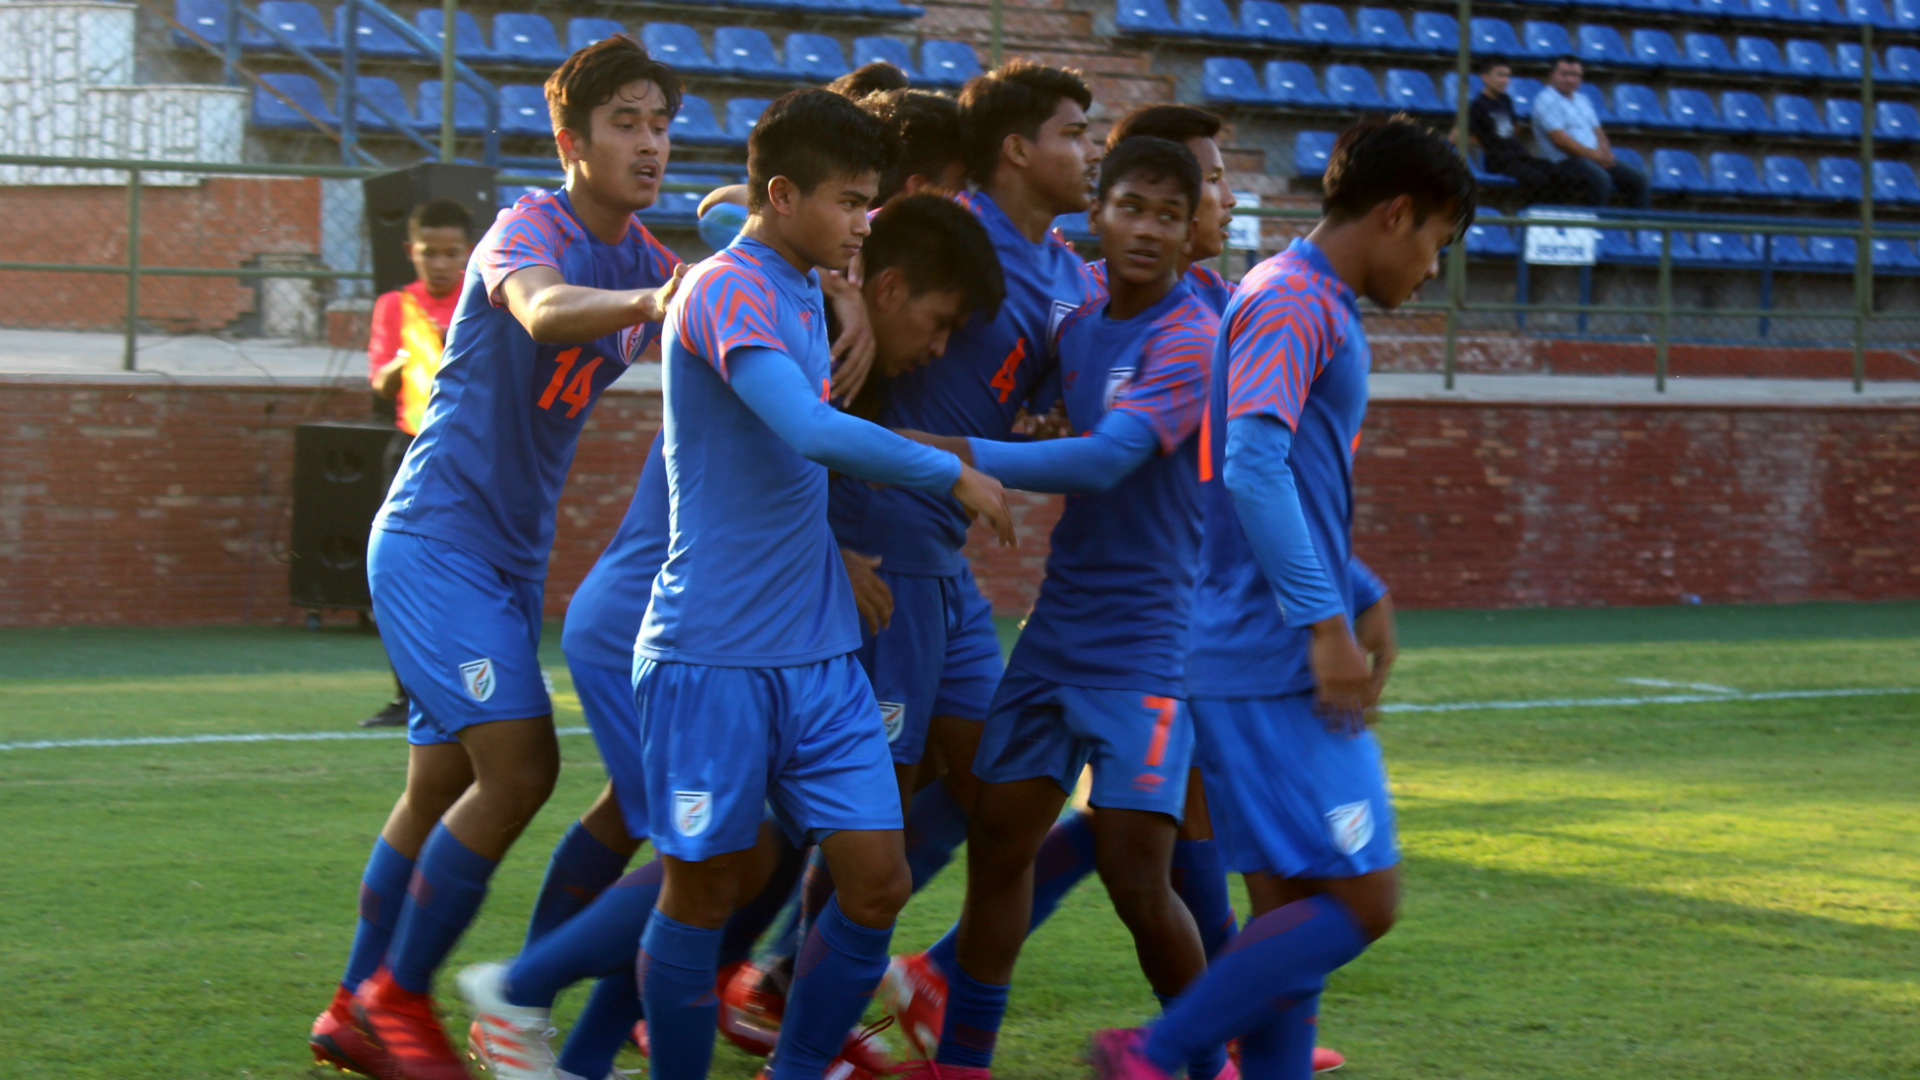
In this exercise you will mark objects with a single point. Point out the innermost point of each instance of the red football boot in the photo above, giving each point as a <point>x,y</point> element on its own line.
<point>338,1042</point>
<point>752,1003</point>
<point>405,1026</point>
<point>914,992</point>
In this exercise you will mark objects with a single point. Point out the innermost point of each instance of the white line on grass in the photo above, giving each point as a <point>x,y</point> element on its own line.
<point>1711,688</point>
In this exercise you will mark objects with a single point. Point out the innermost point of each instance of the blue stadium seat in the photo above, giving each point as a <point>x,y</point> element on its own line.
<point>1352,86</point>
<point>1788,178</point>
<point>1906,14</point>
<point>1694,109</point>
<point>1727,9</point>
<point>1758,56</point>
<point>373,91</point>
<point>815,57</point>
<point>868,50</point>
<point>1602,45</point>
<point>678,45</point>
<point>1839,178</point>
<point>696,125</point>
<point>1209,19</point>
<point>1290,82</point>
<point>523,111</point>
<point>1835,251</point>
<point>1891,254</point>
<point>1719,247</point>
<point>1745,112</point>
<point>1074,227</point>
<point>1523,90</point>
<point>1229,80</point>
<point>1895,121</point>
<point>1266,20</point>
<point>1311,149</point>
<point>1546,40</point>
<point>269,111</point>
<point>1681,245</point>
<point>1734,174</point>
<point>469,108</point>
<point>1796,115</point>
<point>673,208</point>
<point>1844,118</point>
<point>1143,17</point>
<point>520,38</point>
<point>582,32</point>
<point>1677,172</point>
<point>1601,107</point>
<point>1788,250</point>
<point>1846,60</point>
<point>1894,182</point>
<point>377,39</point>
<point>1438,33</point>
<point>1324,24</point>
<point>1823,11</point>
<point>300,22</point>
<point>207,18</point>
<point>1809,60</point>
<point>1449,89</point>
<point>742,115</point>
<point>1655,49</point>
<point>1617,245</point>
<point>1638,107</point>
<point>1869,11</point>
<point>1708,52</point>
<point>948,63</point>
<point>1414,92</point>
<point>1903,64</point>
<point>746,52</point>
<point>1774,10</point>
<point>1383,29</point>
<point>469,44</point>
<point>1495,37</point>
<point>1491,241</point>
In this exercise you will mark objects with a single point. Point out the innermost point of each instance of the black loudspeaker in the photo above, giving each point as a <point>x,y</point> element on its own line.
<point>391,196</point>
<point>340,477</point>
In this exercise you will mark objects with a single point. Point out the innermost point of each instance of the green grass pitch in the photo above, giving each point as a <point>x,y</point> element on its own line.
<point>1720,889</point>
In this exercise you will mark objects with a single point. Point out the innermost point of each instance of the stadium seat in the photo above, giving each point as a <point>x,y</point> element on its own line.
<point>1796,115</point>
<point>1894,182</point>
<point>1823,11</point>
<point>1437,33</point>
<point>1788,178</point>
<point>1655,49</point>
<point>1892,254</point>
<point>1726,9</point>
<point>1681,245</point>
<point>1311,149</point>
<point>1694,109</point>
<point>1846,59</point>
<point>299,22</point>
<point>1491,241</point>
<point>1449,89</point>
<point>1602,45</point>
<point>1229,80</point>
<point>815,57</point>
<point>743,114</point>
<point>1903,64</point>
<point>469,43</point>
<point>948,63</point>
<point>1844,118</point>
<point>1839,178</point>
<point>1414,92</point>
<point>1523,90</point>
<point>1617,245</point>
<point>1266,20</point>
<point>526,39</point>
<point>377,39</point>
<point>1757,56</point>
<point>1707,52</point>
<point>1835,251</point>
<point>678,45</point>
<point>374,92</point>
<point>469,108</point>
<point>1601,107</point>
<point>523,111</point>
<point>1630,159</point>
<point>1746,113</point>
<point>1677,172</point>
<point>1383,29</point>
<point>673,208</point>
<point>1895,121</point>
<point>1785,250</point>
<point>868,50</point>
<point>1495,37</point>
<point>1809,60</point>
<point>207,18</point>
<point>1869,11</point>
<point>1144,17</point>
<point>1546,40</point>
<point>1352,86</point>
<point>1324,24</point>
<point>1734,174</point>
<point>270,111</point>
<point>582,32</point>
<point>696,125</point>
<point>1208,19</point>
<point>1290,82</point>
<point>1721,247</point>
<point>1638,107</point>
<point>1774,10</point>
<point>1906,14</point>
<point>746,52</point>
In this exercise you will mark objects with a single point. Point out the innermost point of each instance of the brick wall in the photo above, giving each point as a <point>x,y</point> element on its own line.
<point>145,504</point>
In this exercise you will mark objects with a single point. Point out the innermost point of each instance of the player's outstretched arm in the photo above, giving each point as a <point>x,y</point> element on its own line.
<point>1116,446</point>
<point>556,313</point>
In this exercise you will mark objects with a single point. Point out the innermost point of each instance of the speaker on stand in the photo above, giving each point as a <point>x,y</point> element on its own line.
<point>341,472</point>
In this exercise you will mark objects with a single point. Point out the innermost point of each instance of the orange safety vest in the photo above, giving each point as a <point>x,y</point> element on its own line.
<point>421,344</point>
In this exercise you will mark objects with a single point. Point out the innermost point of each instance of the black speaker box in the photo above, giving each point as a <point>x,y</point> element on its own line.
<point>340,477</point>
<point>391,196</point>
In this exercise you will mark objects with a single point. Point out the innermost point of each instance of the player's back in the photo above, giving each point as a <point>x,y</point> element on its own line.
<point>1292,348</point>
<point>604,615</point>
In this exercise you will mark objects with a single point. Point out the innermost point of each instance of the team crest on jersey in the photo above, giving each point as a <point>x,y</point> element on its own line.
<point>692,810</point>
<point>1351,826</point>
<point>1061,309</point>
<point>476,678</point>
<point>894,715</point>
<point>1118,379</point>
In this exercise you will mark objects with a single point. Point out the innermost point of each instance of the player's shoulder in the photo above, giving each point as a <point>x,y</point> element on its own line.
<point>725,281</point>
<point>658,255</point>
<point>1201,276</point>
<point>538,215</point>
<point>1287,286</point>
<point>1189,328</point>
<point>1079,318</point>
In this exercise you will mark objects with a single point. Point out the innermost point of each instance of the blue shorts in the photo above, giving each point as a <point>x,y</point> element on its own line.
<point>606,696</point>
<point>463,635</point>
<point>1288,796</point>
<point>1140,745</point>
<point>938,656</point>
<point>722,744</point>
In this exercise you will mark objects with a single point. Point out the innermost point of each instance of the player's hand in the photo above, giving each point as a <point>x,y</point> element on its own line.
<point>651,304</point>
<point>1052,424</point>
<point>1376,633</point>
<point>1340,674</point>
<point>983,497</point>
<point>853,350</point>
<point>870,594</point>
<point>957,445</point>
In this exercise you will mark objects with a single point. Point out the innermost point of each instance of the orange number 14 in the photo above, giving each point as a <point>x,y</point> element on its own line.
<point>576,393</point>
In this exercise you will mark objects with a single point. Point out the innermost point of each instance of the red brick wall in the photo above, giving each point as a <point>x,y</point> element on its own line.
<point>147,504</point>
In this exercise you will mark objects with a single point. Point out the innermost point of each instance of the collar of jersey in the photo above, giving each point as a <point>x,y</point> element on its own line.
<point>778,269</point>
<point>998,223</point>
<point>1181,290</point>
<point>566,204</point>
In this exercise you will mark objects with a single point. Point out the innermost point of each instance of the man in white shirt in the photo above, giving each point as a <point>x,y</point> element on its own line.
<point>1567,131</point>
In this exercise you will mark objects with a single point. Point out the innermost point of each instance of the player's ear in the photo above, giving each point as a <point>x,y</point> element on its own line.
<point>889,289</point>
<point>1015,149</point>
<point>1396,214</point>
<point>569,144</point>
<point>782,194</point>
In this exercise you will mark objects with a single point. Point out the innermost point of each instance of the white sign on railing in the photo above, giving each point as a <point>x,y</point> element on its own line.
<point>1243,233</point>
<point>1561,243</point>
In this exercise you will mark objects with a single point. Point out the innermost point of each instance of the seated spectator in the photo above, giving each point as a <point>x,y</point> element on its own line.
<point>1566,131</point>
<point>1491,122</point>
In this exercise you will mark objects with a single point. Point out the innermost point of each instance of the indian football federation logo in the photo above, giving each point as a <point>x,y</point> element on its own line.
<point>1118,380</point>
<point>692,810</point>
<point>894,715</point>
<point>1351,826</point>
<point>476,678</point>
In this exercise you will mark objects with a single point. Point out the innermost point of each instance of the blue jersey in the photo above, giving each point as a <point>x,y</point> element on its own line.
<point>753,577</point>
<point>975,389</point>
<point>1291,347</point>
<point>1113,609</point>
<point>1208,285</point>
<point>499,433</point>
<point>603,619</point>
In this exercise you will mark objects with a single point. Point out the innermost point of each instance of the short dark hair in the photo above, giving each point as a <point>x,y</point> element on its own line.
<point>1178,123</point>
<point>1015,98</point>
<point>1564,58</point>
<point>1498,62</point>
<point>811,136</point>
<point>591,76</point>
<point>440,214</point>
<point>925,125</point>
<point>877,77</point>
<point>1150,159</point>
<point>1383,158</point>
<point>939,246</point>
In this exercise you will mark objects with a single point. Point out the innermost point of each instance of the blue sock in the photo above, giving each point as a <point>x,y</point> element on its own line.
<point>448,884</point>
<point>383,892</point>
<point>1206,1065</point>
<point>833,980</point>
<point>1065,858</point>
<point>581,867</point>
<point>748,923</point>
<point>936,827</point>
<point>974,1012</point>
<point>1200,880</point>
<point>676,972</point>
<point>602,1027</point>
<point>599,941</point>
<point>1283,1046</point>
<point>1279,960</point>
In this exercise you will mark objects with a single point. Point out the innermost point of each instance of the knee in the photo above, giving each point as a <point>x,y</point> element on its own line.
<point>876,900</point>
<point>524,783</point>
